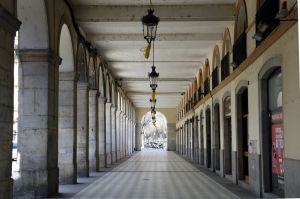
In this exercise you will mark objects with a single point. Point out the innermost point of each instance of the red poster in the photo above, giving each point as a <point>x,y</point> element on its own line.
<point>277,149</point>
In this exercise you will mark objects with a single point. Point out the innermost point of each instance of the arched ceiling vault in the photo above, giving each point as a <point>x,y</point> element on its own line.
<point>187,32</point>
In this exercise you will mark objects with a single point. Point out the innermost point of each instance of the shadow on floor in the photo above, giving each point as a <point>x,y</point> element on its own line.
<point>68,191</point>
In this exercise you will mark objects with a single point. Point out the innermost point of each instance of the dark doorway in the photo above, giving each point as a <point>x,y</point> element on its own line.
<point>208,138</point>
<point>273,132</point>
<point>201,139</point>
<point>242,135</point>
<point>217,137</point>
<point>196,140</point>
<point>227,137</point>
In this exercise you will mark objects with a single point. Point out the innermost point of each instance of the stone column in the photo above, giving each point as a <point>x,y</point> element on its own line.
<point>82,130</point>
<point>122,135</point>
<point>101,133</point>
<point>113,135</point>
<point>126,136</point>
<point>171,137</point>
<point>38,122</point>
<point>67,129</point>
<point>129,136</point>
<point>138,137</point>
<point>118,133</point>
<point>8,27</point>
<point>134,134</point>
<point>108,134</point>
<point>93,131</point>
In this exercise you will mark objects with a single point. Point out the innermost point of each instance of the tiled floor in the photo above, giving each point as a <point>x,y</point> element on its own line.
<point>155,174</point>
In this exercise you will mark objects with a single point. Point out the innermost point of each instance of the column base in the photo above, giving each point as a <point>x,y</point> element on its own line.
<point>101,162</point>
<point>33,184</point>
<point>113,157</point>
<point>108,159</point>
<point>67,173</point>
<point>82,169</point>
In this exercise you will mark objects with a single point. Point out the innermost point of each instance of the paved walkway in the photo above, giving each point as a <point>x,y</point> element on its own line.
<point>155,174</point>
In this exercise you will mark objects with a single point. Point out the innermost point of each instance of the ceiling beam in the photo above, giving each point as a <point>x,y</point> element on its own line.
<point>160,79</point>
<point>207,12</point>
<point>160,37</point>
<point>157,93</point>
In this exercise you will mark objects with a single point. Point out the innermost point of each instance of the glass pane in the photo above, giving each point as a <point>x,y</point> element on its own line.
<point>275,90</point>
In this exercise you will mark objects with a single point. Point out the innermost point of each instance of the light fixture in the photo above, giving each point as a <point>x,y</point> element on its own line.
<point>283,12</point>
<point>153,112</point>
<point>150,22</point>
<point>153,77</point>
<point>153,102</point>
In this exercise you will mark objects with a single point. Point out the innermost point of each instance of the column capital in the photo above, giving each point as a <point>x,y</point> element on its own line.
<point>67,76</point>
<point>93,93</point>
<point>102,100</point>
<point>82,85</point>
<point>108,104</point>
<point>114,109</point>
<point>8,21</point>
<point>39,55</point>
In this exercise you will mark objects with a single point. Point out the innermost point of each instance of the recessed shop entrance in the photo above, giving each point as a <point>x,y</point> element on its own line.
<point>242,134</point>
<point>272,132</point>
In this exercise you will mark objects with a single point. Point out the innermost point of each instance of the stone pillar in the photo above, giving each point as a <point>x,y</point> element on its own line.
<point>38,122</point>
<point>122,135</point>
<point>93,130</point>
<point>8,27</point>
<point>138,137</point>
<point>118,133</point>
<point>171,137</point>
<point>126,137</point>
<point>108,134</point>
<point>134,134</point>
<point>67,130</point>
<point>101,133</point>
<point>113,135</point>
<point>129,136</point>
<point>82,130</point>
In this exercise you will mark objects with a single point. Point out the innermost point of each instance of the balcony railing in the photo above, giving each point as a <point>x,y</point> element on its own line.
<point>206,86</point>
<point>265,19</point>
<point>225,68</point>
<point>240,49</point>
<point>215,77</point>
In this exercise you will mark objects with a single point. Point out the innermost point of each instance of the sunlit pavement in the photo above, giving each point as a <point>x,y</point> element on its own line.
<point>156,174</point>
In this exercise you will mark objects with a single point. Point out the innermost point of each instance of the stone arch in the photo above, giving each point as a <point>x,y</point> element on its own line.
<point>206,70</point>
<point>200,78</point>
<point>67,134</point>
<point>65,50</point>
<point>227,46</point>
<point>92,71</point>
<point>108,88</point>
<point>113,94</point>
<point>34,43</point>
<point>241,19</point>
<point>243,84</point>
<point>216,59</point>
<point>81,63</point>
<point>101,82</point>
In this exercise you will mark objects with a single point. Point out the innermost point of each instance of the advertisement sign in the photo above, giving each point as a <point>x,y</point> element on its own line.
<point>277,149</point>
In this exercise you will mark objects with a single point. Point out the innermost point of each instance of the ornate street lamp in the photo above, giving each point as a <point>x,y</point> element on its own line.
<point>153,103</point>
<point>153,77</point>
<point>153,112</point>
<point>150,22</point>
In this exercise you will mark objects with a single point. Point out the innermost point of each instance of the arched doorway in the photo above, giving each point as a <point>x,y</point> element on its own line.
<point>66,111</point>
<point>227,136</point>
<point>154,137</point>
<point>242,134</point>
<point>272,134</point>
<point>217,137</point>
<point>208,137</point>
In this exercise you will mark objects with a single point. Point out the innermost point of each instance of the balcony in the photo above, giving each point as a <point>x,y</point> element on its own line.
<point>200,96</point>
<point>215,77</point>
<point>206,86</point>
<point>240,49</point>
<point>225,68</point>
<point>265,20</point>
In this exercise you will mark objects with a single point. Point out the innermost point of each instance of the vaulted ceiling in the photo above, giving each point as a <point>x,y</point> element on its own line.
<point>187,32</point>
